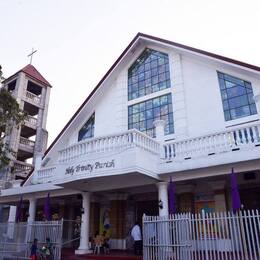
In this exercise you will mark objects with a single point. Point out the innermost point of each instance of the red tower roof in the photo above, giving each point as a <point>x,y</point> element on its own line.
<point>33,73</point>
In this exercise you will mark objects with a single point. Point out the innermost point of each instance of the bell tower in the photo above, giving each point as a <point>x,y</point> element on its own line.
<point>32,92</point>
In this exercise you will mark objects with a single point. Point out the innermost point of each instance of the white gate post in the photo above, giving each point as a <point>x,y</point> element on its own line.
<point>84,229</point>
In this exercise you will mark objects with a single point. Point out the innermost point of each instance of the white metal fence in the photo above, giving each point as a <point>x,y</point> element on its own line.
<point>16,238</point>
<point>205,236</point>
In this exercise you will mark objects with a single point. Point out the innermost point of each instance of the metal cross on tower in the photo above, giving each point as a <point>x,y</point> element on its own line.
<point>31,55</point>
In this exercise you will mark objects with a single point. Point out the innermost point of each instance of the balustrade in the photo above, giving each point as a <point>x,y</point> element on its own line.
<point>45,174</point>
<point>32,97</point>
<point>22,166</point>
<point>230,140</point>
<point>26,142</point>
<point>30,120</point>
<point>109,143</point>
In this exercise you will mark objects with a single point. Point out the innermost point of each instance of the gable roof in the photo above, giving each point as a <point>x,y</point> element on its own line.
<point>148,37</point>
<point>33,73</point>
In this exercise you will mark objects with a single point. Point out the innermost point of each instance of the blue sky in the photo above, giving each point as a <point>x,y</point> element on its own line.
<point>78,40</point>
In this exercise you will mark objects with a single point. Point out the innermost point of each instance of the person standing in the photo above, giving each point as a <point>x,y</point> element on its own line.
<point>137,237</point>
<point>34,250</point>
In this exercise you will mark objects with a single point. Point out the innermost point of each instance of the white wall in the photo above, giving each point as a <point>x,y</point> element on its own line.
<point>197,104</point>
<point>203,99</point>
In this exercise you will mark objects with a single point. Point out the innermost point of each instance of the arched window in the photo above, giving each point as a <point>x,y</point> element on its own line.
<point>148,74</point>
<point>87,131</point>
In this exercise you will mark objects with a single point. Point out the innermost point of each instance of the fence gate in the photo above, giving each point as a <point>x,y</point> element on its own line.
<point>16,238</point>
<point>205,236</point>
<point>167,237</point>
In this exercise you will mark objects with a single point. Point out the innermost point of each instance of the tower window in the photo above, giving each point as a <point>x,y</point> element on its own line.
<point>149,73</point>
<point>237,97</point>
<point>87,131</point>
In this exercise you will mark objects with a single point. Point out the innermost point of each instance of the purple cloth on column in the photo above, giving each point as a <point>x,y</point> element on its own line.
<point>19,210</point>
<point>171,192</point>
<point>236,203</point>
<point>47,208</point>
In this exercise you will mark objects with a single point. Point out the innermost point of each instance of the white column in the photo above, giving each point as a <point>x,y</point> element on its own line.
<point>84,230</point>
<point>257,101</point>
<point>32,210</point>
<point>11,220</point>
<point>30,219</point>
<point>163,198</point>
<point>159,132</point>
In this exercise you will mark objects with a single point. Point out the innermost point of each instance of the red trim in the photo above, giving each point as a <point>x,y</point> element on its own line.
<point>216,56</point>
<point>91,94</point>
<point>213,55</point>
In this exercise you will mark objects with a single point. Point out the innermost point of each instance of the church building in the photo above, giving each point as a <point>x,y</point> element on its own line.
<point>162,111</point>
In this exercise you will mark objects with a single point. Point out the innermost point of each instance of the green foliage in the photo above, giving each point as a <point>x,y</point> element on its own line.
<point>10,116</point>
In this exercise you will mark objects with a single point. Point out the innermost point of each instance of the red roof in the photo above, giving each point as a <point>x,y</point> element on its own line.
<point>33,73</point>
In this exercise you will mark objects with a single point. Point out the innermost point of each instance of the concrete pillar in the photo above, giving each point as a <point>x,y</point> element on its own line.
<point>159,132</point>
<point>46,106</point>
<point>159,129</point>
<point>11,221</point>
<point>163,198</point>
<point>38,161</point>
<point>84,230</point>
<point>257,101</point>
<point>32,210</point>
<point>219,195</point>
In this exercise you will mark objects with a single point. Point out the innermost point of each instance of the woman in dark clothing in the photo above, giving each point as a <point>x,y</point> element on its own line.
<point>34,250</point>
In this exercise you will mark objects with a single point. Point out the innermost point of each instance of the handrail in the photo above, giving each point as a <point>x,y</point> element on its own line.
<point>26,141</point>
<point>109,143</point>
<point>33,97</point>
<point>223,141</point>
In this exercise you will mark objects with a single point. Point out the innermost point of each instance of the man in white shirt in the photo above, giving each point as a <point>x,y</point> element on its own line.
<point>137,236</point>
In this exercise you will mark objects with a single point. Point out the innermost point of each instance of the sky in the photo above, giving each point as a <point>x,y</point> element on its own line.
<point>77,41</point>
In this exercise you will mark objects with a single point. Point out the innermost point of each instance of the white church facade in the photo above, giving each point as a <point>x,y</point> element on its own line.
<point>163,110</point>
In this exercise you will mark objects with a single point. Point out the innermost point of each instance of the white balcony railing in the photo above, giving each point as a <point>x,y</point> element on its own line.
<point>33,98</point>
<point>26,142</point>
<point>109,143</point>
<point>31,121</point>
<point>230,140</point>
<point>45,174</point>
<point>22,166</point>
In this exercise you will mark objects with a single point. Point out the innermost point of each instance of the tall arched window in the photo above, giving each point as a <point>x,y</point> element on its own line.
<point>148,74</point>
<point>87,131</point>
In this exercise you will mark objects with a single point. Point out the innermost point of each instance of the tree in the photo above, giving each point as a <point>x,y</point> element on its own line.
<point>10,116</point>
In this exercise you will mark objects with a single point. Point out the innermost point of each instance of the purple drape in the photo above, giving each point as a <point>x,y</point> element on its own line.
<point>236,203</point>
<point>171,193</point>
<point>47,208</point>
<point>18,213</point>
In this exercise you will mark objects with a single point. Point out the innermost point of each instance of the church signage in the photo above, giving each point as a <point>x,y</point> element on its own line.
<point>89,167</point>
